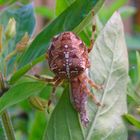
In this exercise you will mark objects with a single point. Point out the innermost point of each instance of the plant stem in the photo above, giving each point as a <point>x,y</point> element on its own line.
<point>7,126</point>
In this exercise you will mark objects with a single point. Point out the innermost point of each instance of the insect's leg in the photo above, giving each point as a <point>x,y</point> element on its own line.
<point>56,84</point>
<point>83,80</point>
<point>92,36</point>
<point>46,79</point>
<point>52,96</point>
<point>93,84</point>
<point>87,91</point>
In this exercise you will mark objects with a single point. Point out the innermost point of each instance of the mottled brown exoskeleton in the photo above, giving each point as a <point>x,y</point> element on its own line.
<point>68,59</point>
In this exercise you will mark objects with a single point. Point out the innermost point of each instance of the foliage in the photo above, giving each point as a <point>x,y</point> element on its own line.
<point>109,66</point>
<point>133,96</point>
<point>4,3</point>
<point>21,14</point>
<point>44,11</point>
<point>132,120</point>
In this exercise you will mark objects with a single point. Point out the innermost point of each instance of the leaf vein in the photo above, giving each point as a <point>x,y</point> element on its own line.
<point>102,99</point>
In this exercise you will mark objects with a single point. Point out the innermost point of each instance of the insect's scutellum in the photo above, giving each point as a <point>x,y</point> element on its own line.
<point>68,59</point>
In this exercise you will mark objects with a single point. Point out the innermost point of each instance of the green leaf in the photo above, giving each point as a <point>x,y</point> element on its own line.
<point>20,92</point>
<point>132,120</point>
<point>64,123</point>
<point>2,136</point>
<point>23,70</point>
<point>38,126</point>
<point>133,73</point>
<point>8,2</point>
<point>44,11</point>
<point>62,5</point>
<point>133,97</point>
<point>110,67</point>
<point>106,11</point>
<point>138,65</point>
<point>2,2</point>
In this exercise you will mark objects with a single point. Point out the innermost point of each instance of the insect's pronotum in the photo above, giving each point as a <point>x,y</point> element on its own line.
<point>68,59</point>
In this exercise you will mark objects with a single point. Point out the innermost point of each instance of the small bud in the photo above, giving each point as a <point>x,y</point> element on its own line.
<point>11,28</point>
<point>20,47</point>
<point>38,103</point>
